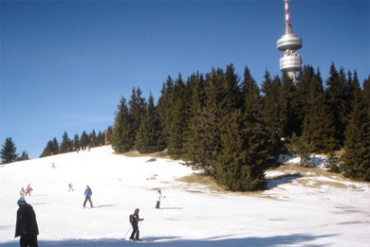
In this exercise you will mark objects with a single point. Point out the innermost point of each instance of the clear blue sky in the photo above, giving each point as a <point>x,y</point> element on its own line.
<point>66,64</point>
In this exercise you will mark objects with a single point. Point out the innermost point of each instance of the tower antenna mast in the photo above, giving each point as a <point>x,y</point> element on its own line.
<point>289,43</point>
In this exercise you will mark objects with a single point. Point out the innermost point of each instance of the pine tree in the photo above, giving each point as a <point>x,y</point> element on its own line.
<point>274,114</point>
<point>164,105</point>
<point>178,125</point>
<point>318,125</point>
<point>65,146</point>
<point>149,137</point>
<point>52,148</point>
<point>137,108</point>
<point>92,138</point>
<point>8,151</point>
<point>23,156</point>
<point>84,140</point>
<point>288,101</point>
<point>239,165</point>
<point>300,99</point>
<point>99,141</point>
<point>122,135</point>
<point>192,146</point>
<point>76,142</point>
<point>335,93</point>
<point>356,160</point>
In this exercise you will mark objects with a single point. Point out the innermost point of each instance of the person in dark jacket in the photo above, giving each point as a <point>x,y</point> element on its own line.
<point>134,219</point>
<point>26,226</point>
<point>88,194</point>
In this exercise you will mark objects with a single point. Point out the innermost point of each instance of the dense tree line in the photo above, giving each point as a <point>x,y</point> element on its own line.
<point>85,141</point>
<point>235,129</point>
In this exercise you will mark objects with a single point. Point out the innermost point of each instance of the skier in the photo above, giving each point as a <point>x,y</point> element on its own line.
<point>88,194</point>
<point>26,225</point>
<point>28,190</point>
<point>158,204</point>
<point>134,220</point>
<point>22,192</point>
<point>70,187</point>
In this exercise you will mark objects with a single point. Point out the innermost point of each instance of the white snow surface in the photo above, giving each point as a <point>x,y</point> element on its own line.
<point>295,211</point>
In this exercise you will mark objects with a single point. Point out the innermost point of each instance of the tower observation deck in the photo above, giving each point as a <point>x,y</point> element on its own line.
<point>289,43</point>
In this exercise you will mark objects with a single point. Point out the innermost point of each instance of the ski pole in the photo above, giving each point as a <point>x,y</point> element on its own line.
<point>127,232</point>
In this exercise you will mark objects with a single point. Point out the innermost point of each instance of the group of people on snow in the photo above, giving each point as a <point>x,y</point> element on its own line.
<point>26,192</point>
<point>27,228</point>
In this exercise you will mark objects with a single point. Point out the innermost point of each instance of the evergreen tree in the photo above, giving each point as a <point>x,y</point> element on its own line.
<point>137,108</point>
<point>335,93</point>
<point>92,138</point>
<point>334,163</point>
<point>8,151</point>
<point>66,145</point>
<point>23,156</point>
<point>274,114</point>
<point>252,98</point>
<point>122,135</point>
<point>149,137</point>
<point>178,125</point>
<point>76,142</point>
<point>84,140</point>
<point>164,106</point>
<point>299,147</point>
<point>288,101</point>
<point>99,141</point>
<point>192,145</point>
<point>318,125</point>
<point>52,147</point>
<point>243,157</point>
<point>356,160</point>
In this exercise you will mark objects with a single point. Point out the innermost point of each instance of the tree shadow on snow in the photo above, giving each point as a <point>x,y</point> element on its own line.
<point>104,206</point>
<point>284,179</point>
<point>172,241</point>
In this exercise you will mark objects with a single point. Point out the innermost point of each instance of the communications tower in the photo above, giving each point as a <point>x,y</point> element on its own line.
<point>289,43</point>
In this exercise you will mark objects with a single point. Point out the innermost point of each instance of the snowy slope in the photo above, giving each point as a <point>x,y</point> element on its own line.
<point>299,210</point>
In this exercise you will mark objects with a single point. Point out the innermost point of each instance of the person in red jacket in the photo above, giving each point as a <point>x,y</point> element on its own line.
<point>26,226</point>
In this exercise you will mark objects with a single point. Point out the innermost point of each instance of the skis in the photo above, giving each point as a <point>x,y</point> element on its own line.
<point>141,241</point>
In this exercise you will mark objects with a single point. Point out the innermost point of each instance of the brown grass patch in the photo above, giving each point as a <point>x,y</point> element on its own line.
<point>203,180</point>
<point>135,153</point>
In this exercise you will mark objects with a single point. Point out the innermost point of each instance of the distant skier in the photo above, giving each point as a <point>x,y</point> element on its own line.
<point>26,226</point>
<point>70,187</point>
<point>88,194</point>
<point>28,190</point>
<point>53,165</point>
<point>158,204</point>
<point>134,220</point>
<point>22,192</point>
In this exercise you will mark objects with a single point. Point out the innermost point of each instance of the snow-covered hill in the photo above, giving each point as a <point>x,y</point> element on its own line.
<point>298,210</point>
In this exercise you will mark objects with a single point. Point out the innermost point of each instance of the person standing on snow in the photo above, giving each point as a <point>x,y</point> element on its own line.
<point>88,194</point>
<point>134,220</point>
<point>26,226</point>
<point>22,192</point>
<point>70,187</point>
<point>158,204</point>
